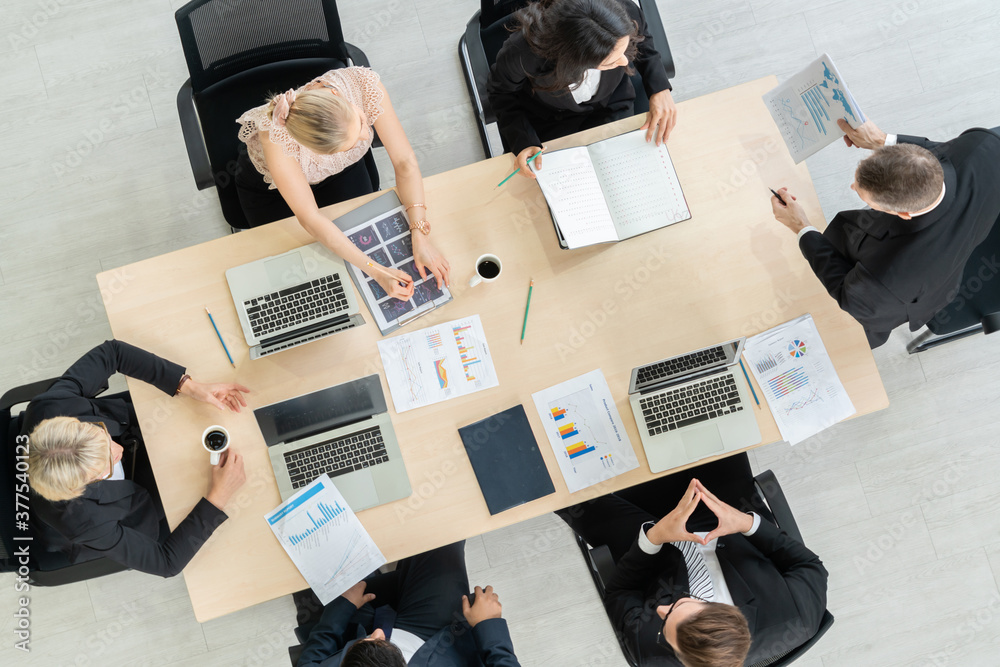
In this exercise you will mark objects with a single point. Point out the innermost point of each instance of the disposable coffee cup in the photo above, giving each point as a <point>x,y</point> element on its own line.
<point>215,440</point>
<point>488,268</point>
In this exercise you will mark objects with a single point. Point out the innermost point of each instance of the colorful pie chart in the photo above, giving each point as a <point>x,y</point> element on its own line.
<point>797,349</point>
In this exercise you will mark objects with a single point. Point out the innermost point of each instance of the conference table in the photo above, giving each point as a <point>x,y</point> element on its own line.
<point>729,271</point>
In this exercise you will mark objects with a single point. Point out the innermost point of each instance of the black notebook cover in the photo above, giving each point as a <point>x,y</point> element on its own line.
<point>505,457</point>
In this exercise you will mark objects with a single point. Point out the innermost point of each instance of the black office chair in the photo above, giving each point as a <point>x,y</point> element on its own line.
<point>977,306</point>
<point>486,32</point>
<point>237,54</point>
<point>44,568</point>
<point>602,567</point>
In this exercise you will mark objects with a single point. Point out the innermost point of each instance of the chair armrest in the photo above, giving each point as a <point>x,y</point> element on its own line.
<point>770,491</point>
<point>194,140</point>
<point>655,24</point>
<point>991,323</point>
<point>478,69</point>
<point>25,393</point>
<point>357,56</point>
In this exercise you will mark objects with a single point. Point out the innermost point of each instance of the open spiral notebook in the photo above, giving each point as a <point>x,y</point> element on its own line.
<point>611,190</point>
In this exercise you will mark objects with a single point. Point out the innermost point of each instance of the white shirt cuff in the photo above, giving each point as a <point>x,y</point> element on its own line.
<point>805,230</point>
<point>756,524</point>
<point>644,543</point>
<point>890,140</point>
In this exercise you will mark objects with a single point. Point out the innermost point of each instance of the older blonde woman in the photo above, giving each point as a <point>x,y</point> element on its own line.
<point>304,150</point>
<point>95,497</point>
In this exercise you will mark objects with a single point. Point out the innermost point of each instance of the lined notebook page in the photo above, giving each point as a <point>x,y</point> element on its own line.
<point>571,188</point>
<point>639,182</point>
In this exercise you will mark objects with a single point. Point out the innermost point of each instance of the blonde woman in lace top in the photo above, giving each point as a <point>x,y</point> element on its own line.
<point>304,149</point>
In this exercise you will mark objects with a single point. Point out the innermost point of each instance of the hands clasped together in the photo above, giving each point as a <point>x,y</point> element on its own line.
<point>673,527</point>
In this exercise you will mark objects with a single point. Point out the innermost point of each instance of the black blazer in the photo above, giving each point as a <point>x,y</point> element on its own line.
<point>778,584</point>
<point>115,519</point>
<point>884,270</point>
<point>526,117</point>
<point>486,645</point>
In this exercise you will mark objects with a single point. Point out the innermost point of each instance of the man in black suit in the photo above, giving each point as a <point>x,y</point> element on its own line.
<point>902,259</point>
<point>425,611</point>
<point>742,590</point>
<point>111,509</point>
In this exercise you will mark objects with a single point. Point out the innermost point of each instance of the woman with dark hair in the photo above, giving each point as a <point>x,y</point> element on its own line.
<point>565,69</point>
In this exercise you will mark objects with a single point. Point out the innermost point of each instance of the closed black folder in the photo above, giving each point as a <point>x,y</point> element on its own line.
<point>505,457</point>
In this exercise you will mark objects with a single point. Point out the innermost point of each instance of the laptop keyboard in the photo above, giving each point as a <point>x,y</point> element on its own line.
<point>296,305</point>
<point>336,457</point>
<point>681,365</point>
<point>676,408</point>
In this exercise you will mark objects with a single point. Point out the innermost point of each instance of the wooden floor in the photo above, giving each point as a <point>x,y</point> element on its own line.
<point>901,505</point>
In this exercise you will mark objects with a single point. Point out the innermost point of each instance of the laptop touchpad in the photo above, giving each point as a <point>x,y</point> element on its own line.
<point>703,441</point>
<point>358,489</point>
<point>286,270</point>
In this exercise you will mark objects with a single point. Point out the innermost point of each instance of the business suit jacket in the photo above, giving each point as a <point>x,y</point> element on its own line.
<point>778,584</point>
<point>115,519</point>
<point>526,117</point>
<point>884,270</point>
<point>486,645</point>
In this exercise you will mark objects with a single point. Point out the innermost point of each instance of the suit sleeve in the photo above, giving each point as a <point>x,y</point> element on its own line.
<point>803,571</point>
<point>625,597</point>
<point>493,643</point>
<point>919,141</point>
<point>141,552</point>
<point>856,290</point>
<point>329,635</point>
<point>648,61</point>
<point>508,87</point>
<point>88,377</point>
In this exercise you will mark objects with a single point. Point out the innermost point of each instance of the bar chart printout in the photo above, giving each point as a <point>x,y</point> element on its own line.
<point>324,539</point>
<point>585,430</point>
<point>798,379</point>
<point>437,363</point>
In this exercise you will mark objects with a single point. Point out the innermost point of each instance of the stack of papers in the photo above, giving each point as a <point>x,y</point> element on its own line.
<point>324,539</point>
<point>798,379</point>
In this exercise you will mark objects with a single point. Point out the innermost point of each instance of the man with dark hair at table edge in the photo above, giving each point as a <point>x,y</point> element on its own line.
<point>931,205</point>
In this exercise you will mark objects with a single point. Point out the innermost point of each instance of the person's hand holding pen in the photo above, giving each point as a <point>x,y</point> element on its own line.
<point>788,211</point>
<point>397,284</point>
<point>524,156</point>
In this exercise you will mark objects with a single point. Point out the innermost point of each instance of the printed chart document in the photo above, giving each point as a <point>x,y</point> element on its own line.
<point>807,106</point>
<point>387,241</point>
<point>611,190</point>
<point>434,364</point>
<point>585,430</point>
<point>801,386</point>
<point>324,539</point>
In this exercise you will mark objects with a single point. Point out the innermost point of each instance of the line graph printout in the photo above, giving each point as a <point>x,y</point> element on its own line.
<point>324,539</point>
<point>798,379</point>
<point>434,364</point>
<point>806,108</point>
<point>585,430</point>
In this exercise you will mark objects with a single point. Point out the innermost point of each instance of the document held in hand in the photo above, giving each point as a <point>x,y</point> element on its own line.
<point>611,190</point>
<point>807,106</point>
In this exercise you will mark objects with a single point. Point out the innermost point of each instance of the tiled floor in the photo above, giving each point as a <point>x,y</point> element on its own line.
<point>901,504</point>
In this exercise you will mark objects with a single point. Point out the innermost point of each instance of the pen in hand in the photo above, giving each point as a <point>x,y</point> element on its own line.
<point>782,201</point>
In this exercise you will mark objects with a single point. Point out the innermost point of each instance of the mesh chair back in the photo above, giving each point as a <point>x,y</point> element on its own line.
<point>221,38</point>
<point>980,292</point>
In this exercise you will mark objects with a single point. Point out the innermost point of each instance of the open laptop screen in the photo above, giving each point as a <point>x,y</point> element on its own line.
<point>319,411</point>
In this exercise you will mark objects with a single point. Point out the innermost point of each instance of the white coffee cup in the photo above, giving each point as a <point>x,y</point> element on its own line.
<point>215,450</point>
<point>488,268</point>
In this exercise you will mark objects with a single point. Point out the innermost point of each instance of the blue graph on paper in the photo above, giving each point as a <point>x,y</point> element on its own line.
<point>327,514</point>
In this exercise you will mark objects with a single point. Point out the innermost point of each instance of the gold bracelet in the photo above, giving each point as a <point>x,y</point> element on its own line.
<point>423,206</point>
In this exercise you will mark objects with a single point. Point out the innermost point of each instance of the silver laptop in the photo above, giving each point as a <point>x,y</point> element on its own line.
<point>693,406</point>
<point>293,298</point>
<point>343,431</point>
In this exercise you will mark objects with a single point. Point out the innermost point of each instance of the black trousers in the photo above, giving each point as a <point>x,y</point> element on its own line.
<point>615,519</point>
<point>262,205</point>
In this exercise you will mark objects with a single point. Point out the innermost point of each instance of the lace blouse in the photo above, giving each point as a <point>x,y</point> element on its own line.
<point>358,85</point>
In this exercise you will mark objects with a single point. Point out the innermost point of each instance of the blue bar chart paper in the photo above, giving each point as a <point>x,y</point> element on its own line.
<point>325,540</point>
<point>807,106</point>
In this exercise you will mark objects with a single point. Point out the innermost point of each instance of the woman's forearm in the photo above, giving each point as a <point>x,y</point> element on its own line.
<point>331,236</point>
<point>410,187</point>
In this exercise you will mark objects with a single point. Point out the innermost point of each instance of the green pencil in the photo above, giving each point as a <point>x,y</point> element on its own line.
<point>531,285</point>
<point>511,175</point>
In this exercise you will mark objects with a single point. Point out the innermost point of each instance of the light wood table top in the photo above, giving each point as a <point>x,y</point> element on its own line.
<point>731,270</point>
